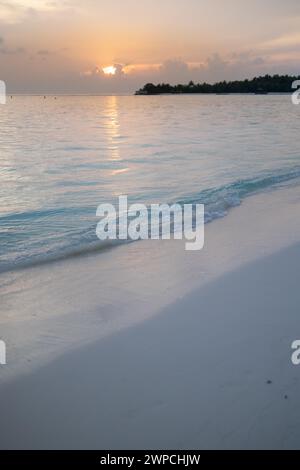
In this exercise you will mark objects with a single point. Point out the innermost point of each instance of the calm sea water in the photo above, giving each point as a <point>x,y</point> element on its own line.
<point>60,158</point>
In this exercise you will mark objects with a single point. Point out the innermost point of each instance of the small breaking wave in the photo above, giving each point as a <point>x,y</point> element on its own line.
<point>52,248</point>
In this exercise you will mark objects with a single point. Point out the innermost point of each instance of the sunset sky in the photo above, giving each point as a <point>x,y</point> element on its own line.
<point>66,46</point>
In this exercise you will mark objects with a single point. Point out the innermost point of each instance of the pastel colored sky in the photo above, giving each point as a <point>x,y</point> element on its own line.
<point>62,46</point>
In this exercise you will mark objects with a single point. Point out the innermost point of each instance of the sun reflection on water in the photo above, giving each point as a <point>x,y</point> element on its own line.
<point>112,127</point>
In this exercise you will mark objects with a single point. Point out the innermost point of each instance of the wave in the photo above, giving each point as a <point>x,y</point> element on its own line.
<point>217,200</point>
<point>221,199</point>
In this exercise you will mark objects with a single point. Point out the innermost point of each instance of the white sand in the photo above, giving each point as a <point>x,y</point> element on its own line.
<point>170,368</point>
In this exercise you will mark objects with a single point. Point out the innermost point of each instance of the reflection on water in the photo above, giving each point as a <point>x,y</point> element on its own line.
<point>112,127</point>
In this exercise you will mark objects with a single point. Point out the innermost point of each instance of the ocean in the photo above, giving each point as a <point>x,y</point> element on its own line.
<point>63,156</point>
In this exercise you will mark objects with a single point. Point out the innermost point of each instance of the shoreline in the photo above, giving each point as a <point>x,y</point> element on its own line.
<point>202,362</point>
<point>261,85</point>
<point>49,310</point>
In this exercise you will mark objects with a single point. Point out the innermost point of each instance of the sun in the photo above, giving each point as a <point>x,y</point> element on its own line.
<point>110,70</point>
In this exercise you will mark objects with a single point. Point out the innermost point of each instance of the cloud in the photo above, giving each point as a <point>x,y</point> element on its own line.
<point>98,72</point>
<point>214,68</point>
<point>174,66</point>
<point>287,42</point>
<point>61,75</point>
<point>43,52</point>
<point>16,11</point>
<point>119,69</point>
<point>10,50</point>
<point>282,50</point>
<point>129,77</point>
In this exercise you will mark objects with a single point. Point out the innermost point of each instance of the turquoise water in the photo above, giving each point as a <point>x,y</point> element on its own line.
<point>60,158</point>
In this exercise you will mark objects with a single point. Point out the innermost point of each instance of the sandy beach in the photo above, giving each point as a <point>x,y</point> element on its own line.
<point>202,362</point>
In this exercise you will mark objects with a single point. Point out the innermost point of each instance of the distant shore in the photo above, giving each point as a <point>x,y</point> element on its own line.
<point>257,85</point>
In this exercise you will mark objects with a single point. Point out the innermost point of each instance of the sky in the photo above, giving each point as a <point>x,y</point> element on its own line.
<point>116,46</point>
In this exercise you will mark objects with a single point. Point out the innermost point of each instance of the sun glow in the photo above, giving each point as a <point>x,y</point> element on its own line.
<point>111,70</point>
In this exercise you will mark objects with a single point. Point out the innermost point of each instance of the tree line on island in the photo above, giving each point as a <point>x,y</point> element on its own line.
<point>258,85</point>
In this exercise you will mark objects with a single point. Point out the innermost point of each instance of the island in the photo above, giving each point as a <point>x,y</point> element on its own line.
<point>257,85</point>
